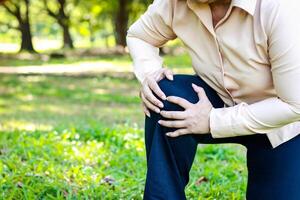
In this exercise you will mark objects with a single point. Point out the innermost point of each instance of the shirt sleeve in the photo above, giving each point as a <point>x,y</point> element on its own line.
<point>271,114</point>
<point>144,37</point>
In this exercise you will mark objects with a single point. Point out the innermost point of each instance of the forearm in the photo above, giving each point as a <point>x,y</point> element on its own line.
<point>145,57</point>
<point>265,116</point>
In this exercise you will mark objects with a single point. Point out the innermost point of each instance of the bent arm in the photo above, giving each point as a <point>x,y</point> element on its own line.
<point>144,37</point>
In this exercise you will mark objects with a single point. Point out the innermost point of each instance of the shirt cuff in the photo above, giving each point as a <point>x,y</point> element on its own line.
<point>228,122</point>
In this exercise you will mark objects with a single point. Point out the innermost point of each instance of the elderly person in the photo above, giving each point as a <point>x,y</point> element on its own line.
<point>245,90</point>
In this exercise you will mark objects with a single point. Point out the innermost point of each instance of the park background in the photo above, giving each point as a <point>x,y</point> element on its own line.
<point>71,121</point>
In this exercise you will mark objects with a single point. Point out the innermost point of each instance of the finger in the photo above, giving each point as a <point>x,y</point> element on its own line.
<point>169,74</point>
<point>156,89</point>
<point>180,101</point>
<point>172,123</point>
<point>150,97</point>
<point>200,91</point>
<point>146,111</point>
<point>178,132</point>
<point>173,114</point>
<point>149,105</point>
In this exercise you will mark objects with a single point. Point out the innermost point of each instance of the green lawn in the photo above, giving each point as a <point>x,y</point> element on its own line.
<point>64,137</point>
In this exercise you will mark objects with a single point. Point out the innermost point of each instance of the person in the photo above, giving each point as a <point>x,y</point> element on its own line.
<point>245,90</point>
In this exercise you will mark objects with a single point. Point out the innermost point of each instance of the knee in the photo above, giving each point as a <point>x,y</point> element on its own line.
<point>177,87</point>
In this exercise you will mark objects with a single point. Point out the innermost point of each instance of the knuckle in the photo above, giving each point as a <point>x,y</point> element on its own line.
<point>147,81</point>
<point>147,104</point>
<point>188,123</point>
<point>151,106</point>
<point>147,96</point>
<point>188,114</point>
<point>151,81</point>
<point>152,98</point>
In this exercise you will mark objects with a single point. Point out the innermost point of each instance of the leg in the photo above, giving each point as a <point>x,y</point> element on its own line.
<point>169,159</point>
<point>273,174</point>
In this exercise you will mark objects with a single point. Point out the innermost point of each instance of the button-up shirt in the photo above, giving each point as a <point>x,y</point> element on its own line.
<point>251,58</point>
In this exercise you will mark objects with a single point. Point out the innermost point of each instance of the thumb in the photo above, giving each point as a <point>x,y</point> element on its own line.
<point>200,91</point>
<point>169,74</point>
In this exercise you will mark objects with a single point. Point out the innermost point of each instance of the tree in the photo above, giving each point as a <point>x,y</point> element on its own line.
<point>121,22</point>
<point>63,19</point>
<point>122,11</point>
<point>20,10</point>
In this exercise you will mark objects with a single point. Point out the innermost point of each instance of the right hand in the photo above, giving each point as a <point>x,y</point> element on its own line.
<point>150,85</point>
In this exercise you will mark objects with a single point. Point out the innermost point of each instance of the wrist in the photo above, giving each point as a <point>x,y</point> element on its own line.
<point>209,121</point>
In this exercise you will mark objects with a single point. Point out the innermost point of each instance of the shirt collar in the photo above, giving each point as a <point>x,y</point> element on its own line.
<point>247,5</point>
<point>202,10</point>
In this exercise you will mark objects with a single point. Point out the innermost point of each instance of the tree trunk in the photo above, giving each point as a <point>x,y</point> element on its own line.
<point>92,37</point>
<point>67,39</point>
<point>26,43</point>
<point>64,22</point>
<point>23,23</point>
<point>121,23</point>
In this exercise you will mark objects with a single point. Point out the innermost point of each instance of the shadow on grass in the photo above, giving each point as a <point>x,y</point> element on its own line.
<point>18,60</point>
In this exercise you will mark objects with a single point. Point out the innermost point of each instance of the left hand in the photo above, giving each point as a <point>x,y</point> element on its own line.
<point>194,119</point>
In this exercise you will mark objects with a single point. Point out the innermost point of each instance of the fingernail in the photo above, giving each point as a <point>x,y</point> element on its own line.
<point>148,114</point>
<point>161,105</point>
<point>159,121</point>
<point>168,134</point>
<point>157,110</point>
<point>163,97</point>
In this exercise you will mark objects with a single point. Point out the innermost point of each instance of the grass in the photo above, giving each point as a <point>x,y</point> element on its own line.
<point>64,137</point>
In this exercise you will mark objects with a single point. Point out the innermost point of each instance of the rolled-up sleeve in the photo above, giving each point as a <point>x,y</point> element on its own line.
<point>271,114</point>
<point>144,37</point>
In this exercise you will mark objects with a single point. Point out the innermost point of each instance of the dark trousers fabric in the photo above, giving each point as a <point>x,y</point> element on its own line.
<point>273,173</point>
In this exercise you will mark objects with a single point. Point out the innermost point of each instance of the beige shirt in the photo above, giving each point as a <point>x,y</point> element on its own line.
<point>251,59</point>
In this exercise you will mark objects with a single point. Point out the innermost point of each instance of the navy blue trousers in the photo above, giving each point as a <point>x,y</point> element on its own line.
<point>273,173</point>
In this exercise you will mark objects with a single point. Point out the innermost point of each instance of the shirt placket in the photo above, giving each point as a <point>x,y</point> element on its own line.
<point>221,62</point>
<point>220,55</point>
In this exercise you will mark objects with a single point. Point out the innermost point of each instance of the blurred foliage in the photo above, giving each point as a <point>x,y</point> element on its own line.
<point>93,21</point>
